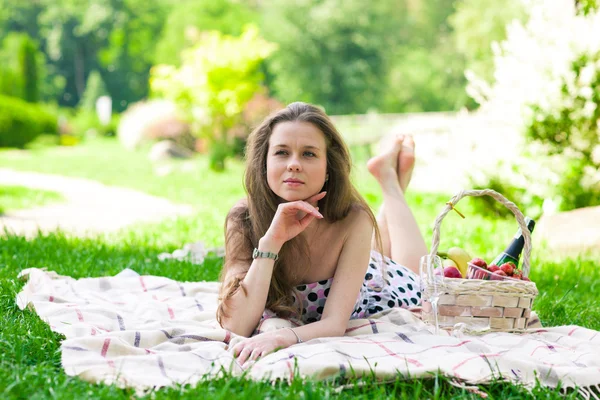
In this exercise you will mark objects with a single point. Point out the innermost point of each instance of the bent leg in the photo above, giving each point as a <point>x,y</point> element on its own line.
<point>398,226</point>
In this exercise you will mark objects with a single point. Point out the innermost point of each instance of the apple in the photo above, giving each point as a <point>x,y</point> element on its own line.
<point>452,272</point>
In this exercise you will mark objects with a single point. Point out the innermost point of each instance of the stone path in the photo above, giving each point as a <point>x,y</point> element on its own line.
<point>90,206</point>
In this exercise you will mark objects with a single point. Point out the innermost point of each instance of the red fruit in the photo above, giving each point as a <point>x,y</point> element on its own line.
<point>526,279</point>
<point>479,263</point>
<point>493,268</point>
<point>517,274</point>
<point>452,272</point>
<point>508,268</point>
<point>498,275</point>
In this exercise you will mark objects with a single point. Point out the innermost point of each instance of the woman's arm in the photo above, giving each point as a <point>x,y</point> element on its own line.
<point>347,280</point>
<point>245,307</point>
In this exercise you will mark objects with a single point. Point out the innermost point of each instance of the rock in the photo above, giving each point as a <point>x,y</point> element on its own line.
<point>167,149</point>
<point>570,232</point>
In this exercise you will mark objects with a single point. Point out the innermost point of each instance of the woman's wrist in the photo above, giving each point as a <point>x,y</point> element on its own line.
<point>268,244</point>
<point>287,337</point>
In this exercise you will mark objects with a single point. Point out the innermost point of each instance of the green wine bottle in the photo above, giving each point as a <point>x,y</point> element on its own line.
<point>513,252</point>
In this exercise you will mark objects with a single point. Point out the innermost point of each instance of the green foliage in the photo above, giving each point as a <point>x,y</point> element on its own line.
<point>28,64</point>
<point>548,90</point>
<point>21,122</point>
<point>587,6</point>
<point>333,53</point>
<point>117,37</point>
<point>392,56</point>
<point>22,67</point>
<point>477,24</point>
<point>217,78</point>
<point>437,87</point>
<point>188,18</point>
<point>94,89</point>
<point>570,128</point>
<point>529,203</point>
<point>84,122</point>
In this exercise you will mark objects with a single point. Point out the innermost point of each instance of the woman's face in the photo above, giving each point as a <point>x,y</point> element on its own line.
<point>296,160</point>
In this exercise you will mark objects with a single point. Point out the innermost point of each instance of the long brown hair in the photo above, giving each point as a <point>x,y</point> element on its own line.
<point>245,225</point>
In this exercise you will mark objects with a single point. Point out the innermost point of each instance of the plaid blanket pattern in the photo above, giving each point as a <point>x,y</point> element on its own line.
<point>149,331</point>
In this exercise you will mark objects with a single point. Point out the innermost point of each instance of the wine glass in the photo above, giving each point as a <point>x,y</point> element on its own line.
<point>431,274</point>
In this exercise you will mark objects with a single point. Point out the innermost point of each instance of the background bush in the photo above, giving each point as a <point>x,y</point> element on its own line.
<point>21,122</point>
<point>547,87</point>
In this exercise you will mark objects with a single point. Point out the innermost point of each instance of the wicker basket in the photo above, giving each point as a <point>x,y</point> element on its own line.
<point>479,306</point>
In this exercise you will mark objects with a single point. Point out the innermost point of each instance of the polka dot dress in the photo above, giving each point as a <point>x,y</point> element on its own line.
<point>397,287</point>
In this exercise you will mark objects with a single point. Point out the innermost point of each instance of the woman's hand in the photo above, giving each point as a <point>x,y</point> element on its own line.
<point>292,218</point>
<point>251,349</point>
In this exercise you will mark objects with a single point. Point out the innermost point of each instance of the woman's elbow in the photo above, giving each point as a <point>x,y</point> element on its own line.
<point>236,326</point>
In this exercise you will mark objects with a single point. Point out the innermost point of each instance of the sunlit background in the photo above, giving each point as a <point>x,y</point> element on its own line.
<point>160,95</point>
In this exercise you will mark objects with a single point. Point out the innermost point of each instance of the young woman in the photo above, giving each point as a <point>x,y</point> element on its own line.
<point>303,243</point>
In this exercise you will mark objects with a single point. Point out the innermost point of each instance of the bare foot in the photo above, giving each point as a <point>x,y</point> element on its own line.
<point>406,162</point>
<point>384,167</point>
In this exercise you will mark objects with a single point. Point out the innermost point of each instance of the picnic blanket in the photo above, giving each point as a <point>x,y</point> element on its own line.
<point>149,331</point>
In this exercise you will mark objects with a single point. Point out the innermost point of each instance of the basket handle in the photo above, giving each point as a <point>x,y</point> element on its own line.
<point>486,192</point>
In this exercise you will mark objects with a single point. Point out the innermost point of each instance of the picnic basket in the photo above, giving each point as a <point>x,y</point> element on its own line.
<point>476,305</point>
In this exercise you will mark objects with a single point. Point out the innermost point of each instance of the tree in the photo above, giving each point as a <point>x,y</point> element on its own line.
<point>547,89</point>
<point>479,23</point>
<point>28,63</point>
<point>188,18</point>
<point>23,65</point>
<point>94,88</point>
<point>332,52</point>
<point>217,78</point>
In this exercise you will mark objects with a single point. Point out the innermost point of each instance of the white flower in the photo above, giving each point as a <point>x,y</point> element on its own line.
<point>588,109</point>
<point>587,74</point>
<point>586,92</point>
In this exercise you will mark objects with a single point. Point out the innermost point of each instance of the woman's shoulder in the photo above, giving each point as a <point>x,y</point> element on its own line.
<point>357,216</point>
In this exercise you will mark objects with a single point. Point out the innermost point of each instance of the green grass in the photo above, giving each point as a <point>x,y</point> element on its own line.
<point>29,351</point>
<point>19,197</point>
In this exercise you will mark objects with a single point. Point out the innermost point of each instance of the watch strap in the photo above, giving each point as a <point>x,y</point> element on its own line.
<point>264,254</point>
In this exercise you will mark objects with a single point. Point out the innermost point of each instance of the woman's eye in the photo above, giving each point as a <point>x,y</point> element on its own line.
<point>280,152</point>
<point>309,154</point>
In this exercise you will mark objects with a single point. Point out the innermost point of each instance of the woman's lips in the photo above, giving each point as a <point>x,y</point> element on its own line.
<point>293,182</point>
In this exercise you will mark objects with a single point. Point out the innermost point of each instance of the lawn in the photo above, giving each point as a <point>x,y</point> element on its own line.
<point>19,197</point>
<point>29,351</point>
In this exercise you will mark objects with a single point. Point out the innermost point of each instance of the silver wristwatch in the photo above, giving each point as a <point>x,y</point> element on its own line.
<point>264,254</point>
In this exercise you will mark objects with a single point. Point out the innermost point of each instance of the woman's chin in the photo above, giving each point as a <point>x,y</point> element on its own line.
<point>289,197</point>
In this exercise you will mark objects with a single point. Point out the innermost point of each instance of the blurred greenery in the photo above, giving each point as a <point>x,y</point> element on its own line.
<point>19,197</point>
<point>390,56</point>
<point>218,76</point>
<point>479,23</point>
<point>22,122</point>
<point>548,92</point>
